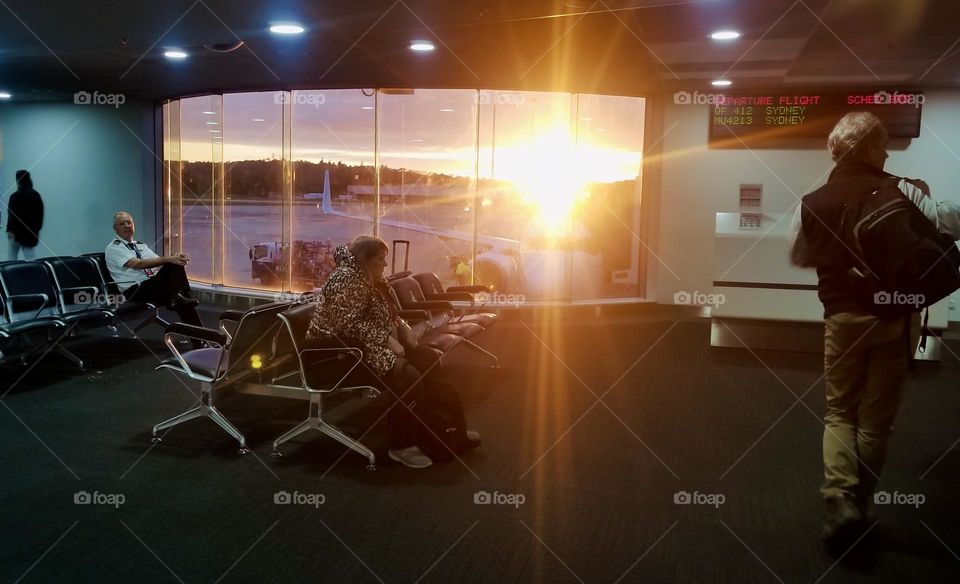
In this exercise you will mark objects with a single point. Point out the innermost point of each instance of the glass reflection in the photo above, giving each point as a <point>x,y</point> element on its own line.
<point>529,184</point>
<point>334,178</point>
<point>427,186</point>
<point>536,194</point>
<point>253,185</point>
<point>606,219</point>
<point>201,149</point>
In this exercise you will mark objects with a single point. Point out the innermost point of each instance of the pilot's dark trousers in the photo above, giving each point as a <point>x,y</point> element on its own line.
<point>163,288</point>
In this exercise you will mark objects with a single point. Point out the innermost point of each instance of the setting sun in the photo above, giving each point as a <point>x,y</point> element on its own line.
<point>552,173</point>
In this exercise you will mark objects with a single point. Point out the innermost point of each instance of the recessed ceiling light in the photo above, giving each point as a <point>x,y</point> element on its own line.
<point>210,113</point>
<point>257,119</point>
<point>446,109</point>
<point>214,131</point>
<point>721,82</point>
<point>5,95</point>
<point>417,140</point>
<point>725,35</point>
<point>212,124</point>
<point>367,107</point>
<point>286,28</point>
<point>175,54</point>
<point>423,46</point>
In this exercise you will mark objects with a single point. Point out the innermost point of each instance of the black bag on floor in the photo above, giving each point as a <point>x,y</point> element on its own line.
<point>445,434</point>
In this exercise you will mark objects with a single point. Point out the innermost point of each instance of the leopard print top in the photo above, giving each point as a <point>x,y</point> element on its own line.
<point>351,307</point>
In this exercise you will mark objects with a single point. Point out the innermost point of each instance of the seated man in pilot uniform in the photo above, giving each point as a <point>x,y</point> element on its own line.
<point>143,276</point>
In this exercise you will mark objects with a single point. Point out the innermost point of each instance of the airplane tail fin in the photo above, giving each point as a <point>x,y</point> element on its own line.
<point>326,205</point>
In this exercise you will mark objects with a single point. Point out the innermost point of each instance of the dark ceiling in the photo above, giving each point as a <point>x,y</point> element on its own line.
<point>50,49</point>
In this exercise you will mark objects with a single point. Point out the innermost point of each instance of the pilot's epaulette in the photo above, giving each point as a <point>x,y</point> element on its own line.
<point>117,242</point>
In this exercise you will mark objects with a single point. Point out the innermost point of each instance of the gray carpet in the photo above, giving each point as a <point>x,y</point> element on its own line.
<point>597,478</point>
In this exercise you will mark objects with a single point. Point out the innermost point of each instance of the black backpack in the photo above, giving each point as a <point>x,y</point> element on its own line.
<point>902,263</point>
<point>441,412</point>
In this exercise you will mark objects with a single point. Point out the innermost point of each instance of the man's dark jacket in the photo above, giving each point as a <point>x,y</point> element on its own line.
<point>820,219</point>
<point>25,217</point>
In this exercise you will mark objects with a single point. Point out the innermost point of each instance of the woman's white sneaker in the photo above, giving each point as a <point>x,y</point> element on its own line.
<point>412,457</point>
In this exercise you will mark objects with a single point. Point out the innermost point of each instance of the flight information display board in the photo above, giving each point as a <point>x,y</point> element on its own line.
<point>739,120</point>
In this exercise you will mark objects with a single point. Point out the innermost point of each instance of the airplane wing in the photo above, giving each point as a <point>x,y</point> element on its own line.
<point>489,240</point>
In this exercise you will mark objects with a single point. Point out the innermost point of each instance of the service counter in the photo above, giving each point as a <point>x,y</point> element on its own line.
<point>767,302</point>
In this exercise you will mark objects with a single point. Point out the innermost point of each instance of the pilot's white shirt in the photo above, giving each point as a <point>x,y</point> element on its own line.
<point>118,253</point>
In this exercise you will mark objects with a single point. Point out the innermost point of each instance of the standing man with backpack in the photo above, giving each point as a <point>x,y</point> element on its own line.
<point>875,240</point>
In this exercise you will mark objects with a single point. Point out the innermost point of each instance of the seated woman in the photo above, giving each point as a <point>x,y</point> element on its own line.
<point>355,305</point>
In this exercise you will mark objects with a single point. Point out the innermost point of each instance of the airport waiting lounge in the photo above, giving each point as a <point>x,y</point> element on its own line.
<point>480,291</point>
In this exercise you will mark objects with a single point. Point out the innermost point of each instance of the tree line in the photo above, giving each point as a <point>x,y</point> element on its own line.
<point>263,179</point>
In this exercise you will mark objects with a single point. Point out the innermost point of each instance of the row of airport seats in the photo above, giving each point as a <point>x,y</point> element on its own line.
<point>448,317</point>
<point>47,301</point>
<point>265,351</point>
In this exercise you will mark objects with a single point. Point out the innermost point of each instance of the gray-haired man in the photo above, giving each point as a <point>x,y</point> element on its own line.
<point>143,276</point>
<point>865,356</point>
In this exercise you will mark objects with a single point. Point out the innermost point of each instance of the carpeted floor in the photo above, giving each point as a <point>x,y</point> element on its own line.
<point>590,430</point>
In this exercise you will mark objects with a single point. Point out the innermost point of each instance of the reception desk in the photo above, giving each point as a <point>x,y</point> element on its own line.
<point>767,302</point>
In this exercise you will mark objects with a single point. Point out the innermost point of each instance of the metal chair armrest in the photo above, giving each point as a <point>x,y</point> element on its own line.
<point>196,332</point>
<point>451,296</point>
<point>429,305</point>
<point>354,352</point>
<point>232,317</point>
<point>192,332</point>
<point>414,315</point>
<point>14,299</point>
<point>469,289</point>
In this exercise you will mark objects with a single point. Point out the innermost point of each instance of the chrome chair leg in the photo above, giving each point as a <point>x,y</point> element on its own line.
<point>196,412</point>
<point>153,318</point>
<point>300,428</point>
<point>315,422</point>
<point>471,345</point>
<point>336,434</point>
<point>215,415</point>
<point>204,410</point>
<point>63,351</point>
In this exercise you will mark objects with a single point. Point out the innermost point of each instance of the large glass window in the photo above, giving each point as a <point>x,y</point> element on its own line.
<point>533,193</point>
<point>333,178</point>
<point>605,237</point>
<point>172,183</point>
<point>427,178</point>
<point>526,206</point>
<point>201,151</point>
<point>253,188</point>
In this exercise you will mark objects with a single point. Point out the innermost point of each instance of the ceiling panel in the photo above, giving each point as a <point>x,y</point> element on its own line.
<point>50,50</point>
